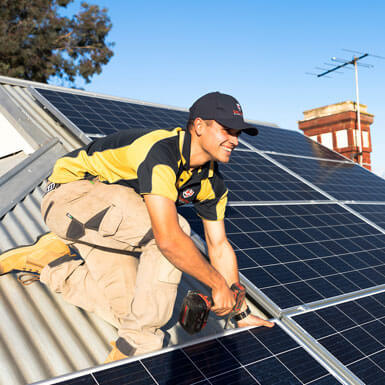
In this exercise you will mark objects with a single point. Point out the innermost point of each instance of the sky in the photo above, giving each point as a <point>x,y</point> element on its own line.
<point>172,52</point>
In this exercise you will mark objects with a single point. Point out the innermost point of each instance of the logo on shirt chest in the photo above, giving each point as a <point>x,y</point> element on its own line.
<point>188,193</point>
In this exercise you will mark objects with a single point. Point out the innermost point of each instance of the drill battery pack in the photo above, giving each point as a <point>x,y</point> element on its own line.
<point>195,311</point>
<point>196,308</point>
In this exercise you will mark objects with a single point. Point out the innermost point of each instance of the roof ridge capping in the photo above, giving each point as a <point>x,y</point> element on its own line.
<point>29,84</point>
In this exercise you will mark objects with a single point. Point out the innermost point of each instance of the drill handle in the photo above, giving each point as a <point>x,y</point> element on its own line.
<point>239,295</point>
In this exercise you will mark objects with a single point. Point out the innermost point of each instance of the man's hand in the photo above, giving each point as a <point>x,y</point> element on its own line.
<point>253,320</point>
<point>223,299</point>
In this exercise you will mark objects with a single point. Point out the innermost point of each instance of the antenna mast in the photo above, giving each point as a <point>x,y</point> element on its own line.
<point>344,64</point>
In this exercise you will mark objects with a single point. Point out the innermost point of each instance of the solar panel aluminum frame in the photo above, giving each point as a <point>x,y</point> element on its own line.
<point>316,305</point>
<point>322,355</point>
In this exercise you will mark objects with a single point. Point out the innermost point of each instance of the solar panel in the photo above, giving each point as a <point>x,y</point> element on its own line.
<point>344,181</point>
<point>298,254</point>
<point>256,356</point>
<point>375,213</point>
<point>294,253</point>
<point>250,177</point>
<point>290,142</point>
<point>103,116</point>
<point>354,332</point>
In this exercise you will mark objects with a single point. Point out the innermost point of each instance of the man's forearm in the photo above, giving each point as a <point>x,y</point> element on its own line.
<point>224,260</point>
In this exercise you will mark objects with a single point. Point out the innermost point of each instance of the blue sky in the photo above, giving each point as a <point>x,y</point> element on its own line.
<point>172,52</point>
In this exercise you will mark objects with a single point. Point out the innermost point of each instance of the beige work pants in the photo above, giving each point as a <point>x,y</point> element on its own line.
<point>122,276</point>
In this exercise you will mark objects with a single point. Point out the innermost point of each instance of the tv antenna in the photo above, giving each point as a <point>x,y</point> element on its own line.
<point>346,64</point>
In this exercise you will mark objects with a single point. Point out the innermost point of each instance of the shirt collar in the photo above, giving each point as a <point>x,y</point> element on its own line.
<point>185,151</point>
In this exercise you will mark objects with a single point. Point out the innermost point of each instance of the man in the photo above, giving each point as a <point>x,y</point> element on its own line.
<point>118,246</point>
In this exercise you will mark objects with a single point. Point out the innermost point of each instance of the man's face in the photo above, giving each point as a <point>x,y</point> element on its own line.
<point>219,142</point>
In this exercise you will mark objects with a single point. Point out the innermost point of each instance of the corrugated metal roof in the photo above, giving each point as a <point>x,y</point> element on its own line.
<point>40,335</point>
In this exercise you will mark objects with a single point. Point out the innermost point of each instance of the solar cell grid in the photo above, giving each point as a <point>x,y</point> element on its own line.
<point>344,181</point>
<point>250,177</point>
<point>354,332</point>
<point>257,356</point>
<point>290,142</point>
<point>95,115</point>
<point>303,253</point>
<point>375,213</point>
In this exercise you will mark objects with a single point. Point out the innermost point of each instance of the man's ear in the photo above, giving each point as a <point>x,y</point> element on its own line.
<point>199,126</point>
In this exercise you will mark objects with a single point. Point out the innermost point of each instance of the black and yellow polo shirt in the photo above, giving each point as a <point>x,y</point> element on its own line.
<point>155,162</point>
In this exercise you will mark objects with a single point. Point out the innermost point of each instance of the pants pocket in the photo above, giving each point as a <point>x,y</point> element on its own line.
<point>110,222</point>
<point>168,273</point>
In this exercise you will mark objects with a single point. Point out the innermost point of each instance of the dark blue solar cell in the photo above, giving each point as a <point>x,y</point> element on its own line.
<point>211,357</point>
<point>259,277</point>
<point>325,288</point>
<point>302,364</point>
<point>338,264</point>
<point>342,283</point>
<point>321,267</point>
<point>243,260</point>
<point>272,372</point>
<point>304,292</point>
<point>84,380</point>
<point>356,312</point>
<point>262,257</point>
<point>281,296</point>
<point>132,373</point>
<point>173,368</point>
<point>341,349</point>
<point>314,325</point>
<point>327,380</point>
<point>275,339</point>
<point>281,273</point>
<point>368,372</point>
<point>302,270</point>
<point>359,279</point>
<point>376,329</point>
<point>340,321</point>
<point>282,254</point>
<point>362,340</point>
<point>236,344</point>
<point>235,377</point>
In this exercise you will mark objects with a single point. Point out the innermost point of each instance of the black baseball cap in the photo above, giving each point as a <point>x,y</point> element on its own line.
<point>222,108</point>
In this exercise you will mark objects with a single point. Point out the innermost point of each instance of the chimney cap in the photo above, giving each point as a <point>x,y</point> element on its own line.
<point>333,109</point>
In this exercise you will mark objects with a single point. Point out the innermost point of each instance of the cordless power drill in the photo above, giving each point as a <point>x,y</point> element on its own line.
<point>196,307</point>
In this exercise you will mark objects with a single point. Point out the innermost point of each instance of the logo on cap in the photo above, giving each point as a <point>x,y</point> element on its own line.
<point>238,111</point>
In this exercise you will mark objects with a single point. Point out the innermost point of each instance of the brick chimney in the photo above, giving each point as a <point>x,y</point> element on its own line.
<point>335,126</point>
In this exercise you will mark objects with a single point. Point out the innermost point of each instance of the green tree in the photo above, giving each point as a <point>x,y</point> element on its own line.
<point>38,43</point>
